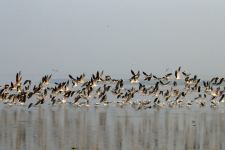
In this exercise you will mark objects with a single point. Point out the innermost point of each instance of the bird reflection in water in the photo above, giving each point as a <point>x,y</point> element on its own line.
<point>110,128</point>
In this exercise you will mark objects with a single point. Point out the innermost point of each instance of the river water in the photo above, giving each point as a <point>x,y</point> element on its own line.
<point>65,127</point>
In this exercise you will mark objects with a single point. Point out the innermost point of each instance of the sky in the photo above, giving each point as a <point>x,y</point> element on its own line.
<point>76,36</point>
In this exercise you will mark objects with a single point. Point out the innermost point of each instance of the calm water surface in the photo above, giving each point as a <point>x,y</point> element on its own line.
<point>100,128</point>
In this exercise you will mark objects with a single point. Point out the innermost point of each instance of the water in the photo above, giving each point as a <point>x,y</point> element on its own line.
<point>65,127</point>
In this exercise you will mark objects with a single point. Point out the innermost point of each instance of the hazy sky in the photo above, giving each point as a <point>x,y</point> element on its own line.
<point>77,36</point>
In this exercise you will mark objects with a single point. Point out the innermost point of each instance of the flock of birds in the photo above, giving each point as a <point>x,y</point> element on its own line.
<point>177,89</point>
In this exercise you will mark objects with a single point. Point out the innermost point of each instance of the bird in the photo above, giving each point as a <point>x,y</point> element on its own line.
<point>101,89</point>
<point>135,77</point>
<point>177,73</point>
